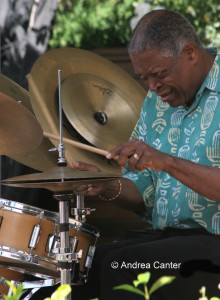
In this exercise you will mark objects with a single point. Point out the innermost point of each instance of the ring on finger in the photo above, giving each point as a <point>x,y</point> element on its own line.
<point>136,156</point>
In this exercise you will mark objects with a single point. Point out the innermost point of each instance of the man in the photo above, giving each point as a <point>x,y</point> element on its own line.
<point>170,166</point>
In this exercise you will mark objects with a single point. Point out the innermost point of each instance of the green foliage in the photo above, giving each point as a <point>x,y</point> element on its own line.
<point>143,279</point>
<point>92,24</point>
<point>60,293</point>
<point>17,292</point>
<point>204,15</point>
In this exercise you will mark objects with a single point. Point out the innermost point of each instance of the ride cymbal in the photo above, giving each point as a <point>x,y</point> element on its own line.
<point>38,158</point>
<point>19,129</point>
<point>58,179</point>
<point>101,102</point>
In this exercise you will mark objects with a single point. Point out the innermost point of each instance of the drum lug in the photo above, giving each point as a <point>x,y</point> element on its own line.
<point>89,257</point>
<point>80,253</point>
<point>74,243</point>
<point>52,243</point>
<point>34,237</point>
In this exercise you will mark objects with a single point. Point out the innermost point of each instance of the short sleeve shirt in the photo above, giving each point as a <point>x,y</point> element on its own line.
<point>190,133</point>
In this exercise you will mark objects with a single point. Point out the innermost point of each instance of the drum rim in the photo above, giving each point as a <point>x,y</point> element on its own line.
<point>22,208</point>
<point>35,261</point>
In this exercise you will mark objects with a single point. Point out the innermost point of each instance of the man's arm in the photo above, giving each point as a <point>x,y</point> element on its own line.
<point>204,180</point>
<point>129,197</point>
<point>124,194</point>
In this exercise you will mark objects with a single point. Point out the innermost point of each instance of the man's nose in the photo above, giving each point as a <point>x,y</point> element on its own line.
<point>154,84</point>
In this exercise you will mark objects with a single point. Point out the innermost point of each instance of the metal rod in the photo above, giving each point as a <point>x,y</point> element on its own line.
<point>64,219</point>
<point>65,274</point>
<point>60,107</point>
<point>61,147</point>
<point>80,201</point>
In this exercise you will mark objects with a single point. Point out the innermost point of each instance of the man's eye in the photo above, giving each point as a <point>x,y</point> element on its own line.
<point>161,74</point>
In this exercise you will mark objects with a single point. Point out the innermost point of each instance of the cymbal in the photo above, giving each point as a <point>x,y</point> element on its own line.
<point>19,129</point>
<point>93,89</point>
<point>38,158</point>
<point>59,179</point>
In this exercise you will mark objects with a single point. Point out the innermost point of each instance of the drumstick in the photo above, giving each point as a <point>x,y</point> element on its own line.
<point>76,144</point>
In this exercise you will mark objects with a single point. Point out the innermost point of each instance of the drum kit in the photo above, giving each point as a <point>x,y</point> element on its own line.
<point>91,104</point>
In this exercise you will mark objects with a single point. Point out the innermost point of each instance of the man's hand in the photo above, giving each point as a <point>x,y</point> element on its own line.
<point>138,155</point>
<point>87,189</point>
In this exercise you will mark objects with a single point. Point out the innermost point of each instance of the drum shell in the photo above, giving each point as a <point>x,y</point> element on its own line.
<point>18,224</point>
<point>87,236</point>
<point>16,232</point>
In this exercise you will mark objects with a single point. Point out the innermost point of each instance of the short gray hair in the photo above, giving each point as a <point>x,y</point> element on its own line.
<point>165,30</point>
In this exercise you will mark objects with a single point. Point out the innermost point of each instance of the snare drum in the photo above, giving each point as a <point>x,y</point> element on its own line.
<point>25,235</point>
<point>29,237</point>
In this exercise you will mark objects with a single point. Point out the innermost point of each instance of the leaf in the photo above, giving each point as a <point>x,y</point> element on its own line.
<point>61,292</point>
<point>143,277</point>
<point>12,286</point>
<point>160,282</point>
<point>129,288</point>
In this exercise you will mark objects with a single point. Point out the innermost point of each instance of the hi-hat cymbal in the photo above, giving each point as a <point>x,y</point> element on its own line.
<point>93,90</point>
<point>58,179</point>
<point>38,158</point>
<point>19,129</point>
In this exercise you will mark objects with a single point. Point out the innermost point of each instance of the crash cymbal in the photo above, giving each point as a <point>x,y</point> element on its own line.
<point>101,102</point>
<point>38,158</point>
<point>19,129</point>
<point>58,179</point>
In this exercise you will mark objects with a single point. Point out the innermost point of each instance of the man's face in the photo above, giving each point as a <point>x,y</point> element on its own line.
<point>173,79</point>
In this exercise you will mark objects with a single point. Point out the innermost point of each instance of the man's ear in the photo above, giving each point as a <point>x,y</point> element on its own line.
<point>190,52</point>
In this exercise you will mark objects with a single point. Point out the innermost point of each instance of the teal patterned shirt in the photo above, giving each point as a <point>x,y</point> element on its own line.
<point>191,133</point>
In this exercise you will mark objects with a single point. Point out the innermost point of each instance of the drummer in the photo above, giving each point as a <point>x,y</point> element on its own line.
<point>170,167</point>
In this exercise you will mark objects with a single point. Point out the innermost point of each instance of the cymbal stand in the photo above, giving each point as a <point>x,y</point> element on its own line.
<point>64,253</point>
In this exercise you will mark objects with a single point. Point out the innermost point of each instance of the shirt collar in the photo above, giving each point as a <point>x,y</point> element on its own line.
<point>212,81</point>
